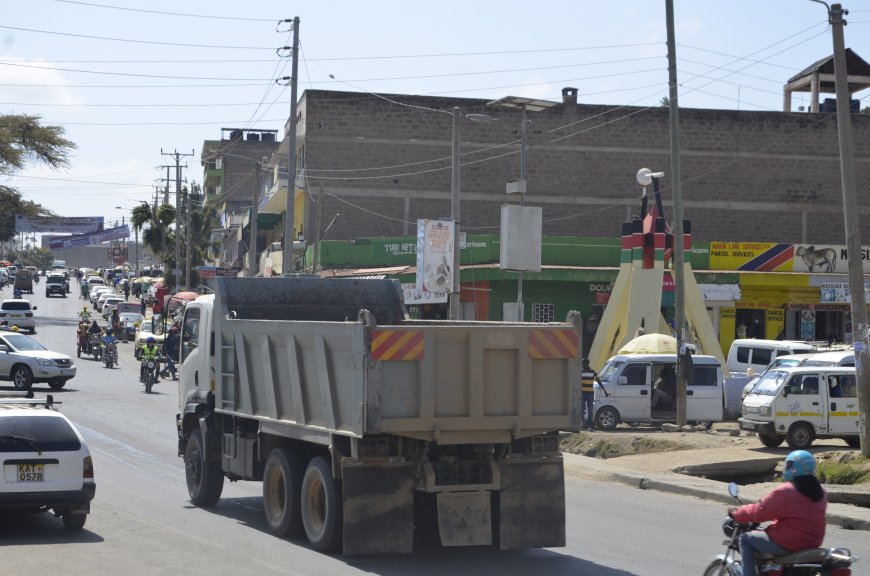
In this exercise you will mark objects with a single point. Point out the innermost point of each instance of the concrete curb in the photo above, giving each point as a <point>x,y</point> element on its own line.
<point>842,515</point>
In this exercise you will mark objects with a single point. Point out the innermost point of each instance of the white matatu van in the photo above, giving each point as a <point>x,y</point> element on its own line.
<point>802,403</point>
<point>629,380</point>
<point>757,354</point>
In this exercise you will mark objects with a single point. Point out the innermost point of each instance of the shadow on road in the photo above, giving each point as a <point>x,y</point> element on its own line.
<point>29,528</point>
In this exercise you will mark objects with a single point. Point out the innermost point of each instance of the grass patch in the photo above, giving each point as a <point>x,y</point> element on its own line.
<point>846,470</point>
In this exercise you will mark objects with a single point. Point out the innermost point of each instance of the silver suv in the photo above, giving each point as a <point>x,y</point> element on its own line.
<point>46,463</point>
<point>25,361</point>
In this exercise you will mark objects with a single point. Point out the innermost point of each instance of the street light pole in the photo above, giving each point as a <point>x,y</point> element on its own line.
<point>454,212</point>
<point>287,264</point>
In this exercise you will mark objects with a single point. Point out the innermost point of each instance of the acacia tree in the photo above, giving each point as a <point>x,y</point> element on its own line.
<point>23,140</point>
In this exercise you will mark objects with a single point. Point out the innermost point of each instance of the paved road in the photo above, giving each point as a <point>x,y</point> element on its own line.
<point>142,522</point>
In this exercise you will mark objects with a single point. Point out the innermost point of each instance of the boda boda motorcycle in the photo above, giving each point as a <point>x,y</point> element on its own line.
<point>810,562</point>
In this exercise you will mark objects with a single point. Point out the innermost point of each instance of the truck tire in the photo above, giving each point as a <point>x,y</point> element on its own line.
<point>606,418</point>
<point>321,506</point>
<point>282,487</point>
<point>800,436</point>
<point>205,480</point>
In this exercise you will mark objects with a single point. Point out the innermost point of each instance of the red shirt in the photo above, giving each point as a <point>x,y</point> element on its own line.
<point>798,522</point>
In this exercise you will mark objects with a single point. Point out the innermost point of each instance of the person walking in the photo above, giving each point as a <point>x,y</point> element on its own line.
<point>587,396</point>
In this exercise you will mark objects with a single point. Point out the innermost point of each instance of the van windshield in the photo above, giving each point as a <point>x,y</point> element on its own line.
<point>769,382</point>
<point>609,370</point>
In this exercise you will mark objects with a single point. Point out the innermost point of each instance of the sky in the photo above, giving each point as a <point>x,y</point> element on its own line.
<point>129,80</point>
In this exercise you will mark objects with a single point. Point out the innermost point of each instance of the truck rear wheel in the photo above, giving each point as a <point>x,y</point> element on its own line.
<point>205,480</point>
<point>321,506</point>
<point>282,486</point>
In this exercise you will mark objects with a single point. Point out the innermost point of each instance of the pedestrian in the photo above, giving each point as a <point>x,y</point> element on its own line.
<point>126,291</point>
<point>142,306</point>
<point>587,396</point>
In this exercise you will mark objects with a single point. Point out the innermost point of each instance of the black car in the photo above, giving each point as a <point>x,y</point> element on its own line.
<point>55,285</point>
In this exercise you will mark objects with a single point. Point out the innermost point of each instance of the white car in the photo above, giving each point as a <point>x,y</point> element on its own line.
<point>25,361</point>
<point>18,312</point>
<point>96,293</point>
<point>110,304</point>
<point>46,463</point>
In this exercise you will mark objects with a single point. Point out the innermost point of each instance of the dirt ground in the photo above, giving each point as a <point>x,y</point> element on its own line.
<point>654,450</point>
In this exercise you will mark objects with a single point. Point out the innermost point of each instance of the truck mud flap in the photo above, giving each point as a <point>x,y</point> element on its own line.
<point>465,518</point>
<point>378,510</point>
<point>532,504</point>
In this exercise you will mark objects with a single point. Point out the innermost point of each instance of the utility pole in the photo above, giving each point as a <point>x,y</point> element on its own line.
<point>176,270</point>
<point>679,258</point>
<point>455,181</point>
<point>188,236</point>
<point>253,263</point>
<point>287,263</point>
<point>860,337</point>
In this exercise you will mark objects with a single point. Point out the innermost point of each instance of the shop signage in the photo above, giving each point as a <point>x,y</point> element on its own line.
<point>840,292</point>
<point>759,256</point>
<point>414,296</point>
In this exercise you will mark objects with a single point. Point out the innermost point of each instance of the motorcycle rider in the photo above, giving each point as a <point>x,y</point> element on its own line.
<point>149,352</point>
<point>16,293</point>
<point>796,507</point>
<point>85,314</point>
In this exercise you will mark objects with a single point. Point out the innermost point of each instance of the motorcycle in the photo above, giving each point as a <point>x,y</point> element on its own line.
<point>110,354</point>
<point>810,562</point>
<point>95,345</point>
<point>150,370</point>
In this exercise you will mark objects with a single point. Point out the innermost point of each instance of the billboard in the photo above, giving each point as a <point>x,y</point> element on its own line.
<point>119,233</point>
<point>58,224</point>
<point>435,256</point>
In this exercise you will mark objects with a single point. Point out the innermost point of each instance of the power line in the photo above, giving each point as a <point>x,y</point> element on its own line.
<point>209,16</point>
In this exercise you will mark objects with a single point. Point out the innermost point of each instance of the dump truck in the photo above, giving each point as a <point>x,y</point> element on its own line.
<point>368,429</point>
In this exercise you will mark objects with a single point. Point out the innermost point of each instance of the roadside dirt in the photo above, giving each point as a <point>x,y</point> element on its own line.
<point>652,450</point>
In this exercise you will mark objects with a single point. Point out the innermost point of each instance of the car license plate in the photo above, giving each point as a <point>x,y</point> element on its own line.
<point>31,472</point>
<point>66,371</point>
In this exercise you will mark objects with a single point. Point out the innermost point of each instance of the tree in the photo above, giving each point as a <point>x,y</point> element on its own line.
<point>23,139</point>
<point>155,230</point>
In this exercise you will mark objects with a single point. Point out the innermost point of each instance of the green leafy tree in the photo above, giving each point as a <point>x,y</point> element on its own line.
<point>42,258</point>
<point>23,140</point>
<point>155,228</point>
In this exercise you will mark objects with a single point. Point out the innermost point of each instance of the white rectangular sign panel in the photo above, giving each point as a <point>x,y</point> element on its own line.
<point>435,256</point>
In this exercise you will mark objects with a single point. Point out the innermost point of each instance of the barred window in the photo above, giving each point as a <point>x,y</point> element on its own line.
<point>543,312</point>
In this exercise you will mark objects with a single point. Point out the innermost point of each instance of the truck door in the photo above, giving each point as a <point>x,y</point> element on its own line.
<point>842,404</point>
<point>804,401</point>
<point>633,392</point>
<point>704,395</point>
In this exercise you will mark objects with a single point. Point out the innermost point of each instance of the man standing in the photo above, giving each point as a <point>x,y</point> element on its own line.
<point>587,397</point>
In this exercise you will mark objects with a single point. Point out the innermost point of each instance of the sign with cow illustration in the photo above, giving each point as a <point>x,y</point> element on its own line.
<point>773,257</point>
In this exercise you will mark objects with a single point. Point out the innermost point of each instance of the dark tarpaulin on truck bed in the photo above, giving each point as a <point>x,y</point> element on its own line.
<point>311,298</point>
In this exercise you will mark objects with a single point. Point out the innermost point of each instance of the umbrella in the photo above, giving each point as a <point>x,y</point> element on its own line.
<point>650,344</point>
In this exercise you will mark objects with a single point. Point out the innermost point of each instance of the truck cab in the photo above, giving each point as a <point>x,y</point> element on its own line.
<point>799,404</point>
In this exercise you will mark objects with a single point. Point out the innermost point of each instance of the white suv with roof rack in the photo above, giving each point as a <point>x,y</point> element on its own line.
<point>46,463</point>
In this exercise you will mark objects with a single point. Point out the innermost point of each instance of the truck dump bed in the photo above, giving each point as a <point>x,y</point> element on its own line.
<point>298,352</point>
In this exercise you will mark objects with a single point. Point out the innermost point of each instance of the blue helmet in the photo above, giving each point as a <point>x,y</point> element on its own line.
<point>798,463</point>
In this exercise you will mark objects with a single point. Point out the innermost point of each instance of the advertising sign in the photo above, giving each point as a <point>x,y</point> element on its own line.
<point>414,297</point>
<point>58,224</point>
<point>435,256</point>
<point>754,256</point>
<point>118,233</point>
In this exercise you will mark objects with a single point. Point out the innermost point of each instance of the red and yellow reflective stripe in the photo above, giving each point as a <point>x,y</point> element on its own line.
<point>553,344</point>
<point>397,344</point>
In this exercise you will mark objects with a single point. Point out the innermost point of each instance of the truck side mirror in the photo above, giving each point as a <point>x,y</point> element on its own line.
<point>785,390</point>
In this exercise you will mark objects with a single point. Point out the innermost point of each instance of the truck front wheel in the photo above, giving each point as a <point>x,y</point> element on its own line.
<point>205,481</point>
<point>321,506</point>
<point>282,486</point>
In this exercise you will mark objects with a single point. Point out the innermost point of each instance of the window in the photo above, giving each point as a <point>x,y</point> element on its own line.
<point>37,434</point>
<point>543,312</point>
<point>743,354</point>
<point>804,384</point>
<point>706,376</point>
<point>189,332</point>
<point>635,375</point>
<point>846,384</point>
<point>761,356</point>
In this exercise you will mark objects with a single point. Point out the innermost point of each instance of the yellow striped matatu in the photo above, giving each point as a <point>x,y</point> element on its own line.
<point>397,344</point>
<point>553,344</point>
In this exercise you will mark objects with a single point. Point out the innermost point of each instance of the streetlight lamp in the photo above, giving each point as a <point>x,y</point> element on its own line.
<point>525,105</point>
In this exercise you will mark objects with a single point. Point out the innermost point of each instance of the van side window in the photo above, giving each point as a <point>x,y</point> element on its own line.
<point>705,376</point>
<point>635,375</point>
<point>743,354</point>
<point>805,384</point>
<point>842,385</point>
<point>761,356</point>
<point>783,353</point>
